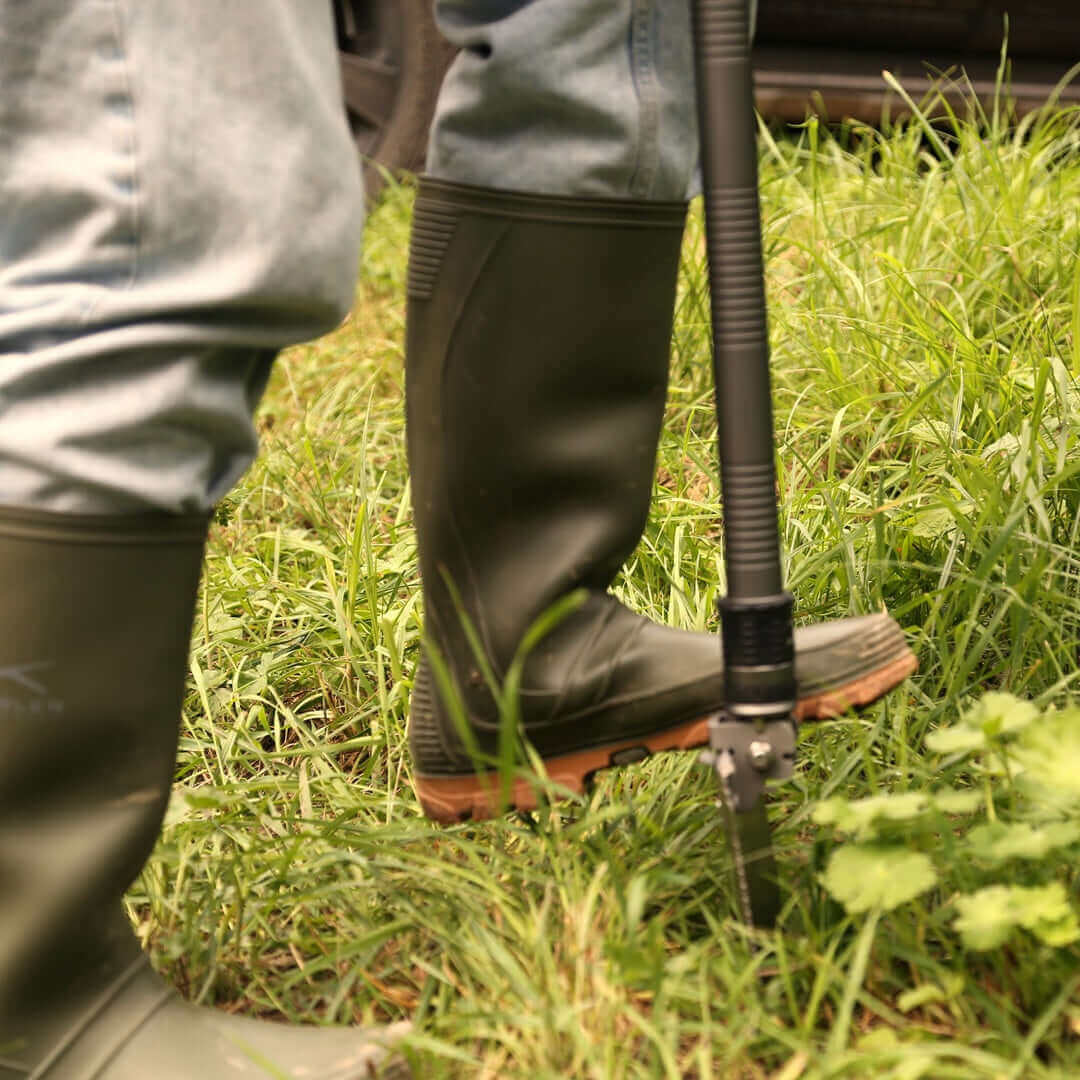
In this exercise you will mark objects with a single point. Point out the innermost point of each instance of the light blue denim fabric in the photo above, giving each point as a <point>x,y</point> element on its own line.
<point>569,97</point>
<point>179,198</point>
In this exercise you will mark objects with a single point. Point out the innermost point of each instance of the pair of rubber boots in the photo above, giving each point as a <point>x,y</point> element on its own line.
<point>537,365</point>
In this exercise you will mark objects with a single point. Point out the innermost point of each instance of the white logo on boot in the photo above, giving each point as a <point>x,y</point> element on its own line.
<point>18,677</point>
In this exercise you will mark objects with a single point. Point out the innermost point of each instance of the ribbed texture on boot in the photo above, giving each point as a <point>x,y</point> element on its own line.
<point>432,228</point>
<point>425,739</point>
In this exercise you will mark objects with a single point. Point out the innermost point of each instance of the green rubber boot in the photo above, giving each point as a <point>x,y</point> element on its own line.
<point>537,345</point>
<point>95,622</point>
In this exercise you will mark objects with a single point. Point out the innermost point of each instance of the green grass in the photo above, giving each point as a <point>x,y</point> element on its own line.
<point>925,313</point>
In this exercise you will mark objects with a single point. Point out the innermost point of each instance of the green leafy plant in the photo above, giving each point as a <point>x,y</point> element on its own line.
<point>1028,762</point>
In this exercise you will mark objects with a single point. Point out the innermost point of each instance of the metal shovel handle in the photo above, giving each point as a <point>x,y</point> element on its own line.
<point>753,738</point>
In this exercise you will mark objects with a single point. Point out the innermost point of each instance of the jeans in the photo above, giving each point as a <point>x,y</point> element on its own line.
<point>593,97</point>
<point>179,198</point>
<point>569,97</point>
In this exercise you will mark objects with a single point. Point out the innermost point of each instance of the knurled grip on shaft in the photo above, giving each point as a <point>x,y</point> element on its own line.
<point>751,540</point>
<point>756,613</point>
<point>737,294</point>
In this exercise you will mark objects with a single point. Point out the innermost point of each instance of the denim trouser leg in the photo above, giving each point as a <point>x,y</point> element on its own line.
<point>179,199</point>
<point>569,97</point>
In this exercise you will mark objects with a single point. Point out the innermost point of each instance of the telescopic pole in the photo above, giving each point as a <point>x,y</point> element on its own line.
<point>754,739</point>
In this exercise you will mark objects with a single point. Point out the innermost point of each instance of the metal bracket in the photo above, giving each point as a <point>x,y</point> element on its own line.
<point>744,757</point>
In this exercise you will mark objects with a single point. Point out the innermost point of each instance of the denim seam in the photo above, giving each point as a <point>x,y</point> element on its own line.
<point>129,149</point>
<point>643,65</point>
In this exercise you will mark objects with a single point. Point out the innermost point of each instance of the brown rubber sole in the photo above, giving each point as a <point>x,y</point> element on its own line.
<point>477,796</point>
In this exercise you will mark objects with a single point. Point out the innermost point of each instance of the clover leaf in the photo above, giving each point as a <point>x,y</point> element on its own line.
<point>867,876</point>
<point>950,801</point>
<point>864,817</point>
<point>998,841</point>
<point>994,715</point>
<point>987,918</point>
<point>998,713</point>
<point>873,818</point>
<point>1049,753</point>
<point>958,739</point>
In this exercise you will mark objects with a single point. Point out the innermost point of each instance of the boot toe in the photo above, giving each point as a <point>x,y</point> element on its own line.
<point>849,663</point>
<point>259,1048</point>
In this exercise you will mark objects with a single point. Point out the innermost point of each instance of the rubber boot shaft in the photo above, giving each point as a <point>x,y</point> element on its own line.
<point>95,625</point>
<point>538,333</point>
